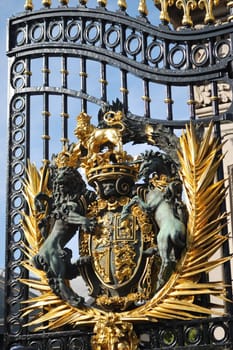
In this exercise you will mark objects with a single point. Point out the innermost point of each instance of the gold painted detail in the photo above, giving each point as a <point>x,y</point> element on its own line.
<point>67,159</point>
<point>146,98</point>
<point>99,164</point>
<point>28,5</point>
<point>207,6</point>
<point>64,2</point>
<point>199,160</point>
<point>164,4</point>
<point>122,303</point>
<point>102,2</point>
<point>124,262</point>
<point>47,3</point>
<point>185,6</point>
<point>142,8</point>
<point>112,333</point>
<point>122,4</point>
<point>118,240</point>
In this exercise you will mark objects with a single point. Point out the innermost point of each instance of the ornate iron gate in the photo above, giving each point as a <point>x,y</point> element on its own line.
<point>53,55</point>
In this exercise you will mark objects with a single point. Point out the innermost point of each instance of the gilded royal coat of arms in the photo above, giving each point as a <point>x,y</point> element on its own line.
<point>147,227</point>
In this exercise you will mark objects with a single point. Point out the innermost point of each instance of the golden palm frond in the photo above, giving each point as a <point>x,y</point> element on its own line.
<point>199,163</point>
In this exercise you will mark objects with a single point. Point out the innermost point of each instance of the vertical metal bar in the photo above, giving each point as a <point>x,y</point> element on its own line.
<point>124,90</point>
<point>103,81</point>
<point>83,75</point>
<point>45,137</point>
<point>169,101</point>
<point>45,71</point>
<point>45,112</point>
<point>146,98</point>
<point>191,102</point>
<point>64,113</point>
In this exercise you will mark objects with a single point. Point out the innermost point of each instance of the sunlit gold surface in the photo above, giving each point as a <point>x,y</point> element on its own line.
<point>112,332</point>
<point>208,6</point>
<point>186,7</point>
<point>47,3</point>
<point>142,8</point>
<point>28,5</point>
<point>122,4</point>
<point>199,162</point>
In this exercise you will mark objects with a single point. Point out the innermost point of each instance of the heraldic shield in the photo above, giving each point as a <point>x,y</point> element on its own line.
<point>141,248</point>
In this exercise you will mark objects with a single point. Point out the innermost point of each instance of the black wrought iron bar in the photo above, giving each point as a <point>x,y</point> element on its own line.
<point>45,136</point>
<point>124,90</point>
<point>169,101</point>
<point>45,112</point>
<point>45,70</point>
<point>83,74</point>
<point>191,102</point>
<point>64,107</point>
<point>146,98</point>
<point>103,81</point>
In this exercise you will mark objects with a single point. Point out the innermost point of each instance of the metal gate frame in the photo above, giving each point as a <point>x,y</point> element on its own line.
<point>87,34</point>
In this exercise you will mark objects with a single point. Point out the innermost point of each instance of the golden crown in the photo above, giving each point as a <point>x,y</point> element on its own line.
<point>105,157</point>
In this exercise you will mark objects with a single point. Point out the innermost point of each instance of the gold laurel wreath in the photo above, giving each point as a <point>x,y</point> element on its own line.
<point>176,300</point>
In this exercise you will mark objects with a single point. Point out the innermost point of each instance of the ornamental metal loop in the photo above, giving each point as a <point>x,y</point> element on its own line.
<point>155,52</point>
<point>114,84</point>
<point>55,30</point>
<point>222,49</point>
<point>111,37</point>
<point>37,32</point>
<point>177,56</point>
<point>200,55</point>
<point>92,33</point>
<point>133,44</point>
<point>73,30</point>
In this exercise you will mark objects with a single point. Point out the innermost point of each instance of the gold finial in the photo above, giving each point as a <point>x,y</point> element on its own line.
<point>122,4</point>
<point>46,3</point>
<point>64,2</point>
<point>102,3</point>
<point>28,5</point>
<point>142,8</point>
<point>208,5</point>
<point>187,6</point>
<point>164,16</point>
<point>83,2</point>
